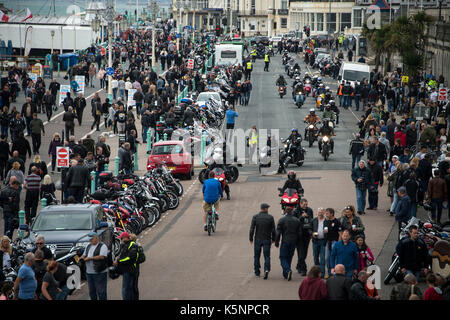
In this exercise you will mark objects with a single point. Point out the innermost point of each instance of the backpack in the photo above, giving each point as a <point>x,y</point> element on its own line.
<point>140,254</point>
<point>100,265</point>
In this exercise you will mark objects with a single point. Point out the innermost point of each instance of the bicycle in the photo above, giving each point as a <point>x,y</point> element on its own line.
<point>211,220</point>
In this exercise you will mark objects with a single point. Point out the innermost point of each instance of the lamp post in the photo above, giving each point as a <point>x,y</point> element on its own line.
<point>109,17</point>
<point>178,6</point>
<point>153,8</point>
<point>95,26</point>
<point>52,34</point>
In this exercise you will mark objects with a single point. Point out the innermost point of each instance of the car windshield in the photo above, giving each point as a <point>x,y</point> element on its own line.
<point>63,220</point>
<point>167,149</point>
<point>204,96</point>
<point>353,75</point>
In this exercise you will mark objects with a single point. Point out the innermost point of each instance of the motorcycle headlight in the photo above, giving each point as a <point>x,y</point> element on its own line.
<point>311,126</point>
<point>293,200</point>
<point>285,145</point>
<point>325,139</point>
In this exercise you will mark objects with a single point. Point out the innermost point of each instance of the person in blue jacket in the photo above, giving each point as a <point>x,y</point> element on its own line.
<point>231,115</point>
<point>345,252</point>
<point>403,208</point>
<point>211,189</point>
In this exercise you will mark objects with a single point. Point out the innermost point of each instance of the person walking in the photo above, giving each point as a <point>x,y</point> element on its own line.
<point>362,178</point>
<point>11,194</point>
<point>413,253</point>
<point>56,142</point>
<point>358,291</point>
<point>356,149</point>
<point>26,284</point>
<point>4,156</point>
<point>378,180</point>
<point>69,120</point>
<point>313,287</point>
<point>318,240</point>
<point>80,104</point>
<point>77,179</point>
<point>262,229</point>
<point>332,229</point>
<point>345,252</point>
<point>338,286</point>
<point>403,208</point>
<point>49,289</point>
<point>352,223</point>
<point>365,255</point>
<point>305,215</point>
<point>95,256</point>
<point>48,101</point>
<point>289,230</point>
<point>266,62</point>
<point>231,114</point>
<point>32,185</point>
<point>437,194</point>
<point>404,290</point>
<point>37,126</point>
<point>127,266</point>
<point>96,111</point>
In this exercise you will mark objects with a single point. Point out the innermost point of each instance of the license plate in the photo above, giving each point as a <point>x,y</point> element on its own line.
<point>170,168</point>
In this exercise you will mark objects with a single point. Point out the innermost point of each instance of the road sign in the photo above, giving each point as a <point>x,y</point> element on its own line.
<point>190,64</point>
<point>443,94</point>
<point>178,35</point>
<point>62,157</point>
<point>109,71</point>
<point>405,79</point>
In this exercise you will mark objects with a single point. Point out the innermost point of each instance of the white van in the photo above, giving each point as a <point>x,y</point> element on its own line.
<point>228,54</point>
<point>354,71</point>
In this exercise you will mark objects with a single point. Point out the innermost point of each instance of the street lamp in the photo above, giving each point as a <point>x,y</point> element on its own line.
<point>109,17</point>
<point>52,34</point>
<point>153,8</point>
<point>95,26</point>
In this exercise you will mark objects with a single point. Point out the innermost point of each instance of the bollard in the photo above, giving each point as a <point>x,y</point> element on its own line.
<point>203,146</point>
<point>92,182</point>
<point>106,167</point>
<point>43,202</point>
<point>165,136</point>
<point>136,161</point>
<point>116,166</point>
<point>21,221</point>
<point>58,69</point>
<point>149,140</point>
<point>157,136</point>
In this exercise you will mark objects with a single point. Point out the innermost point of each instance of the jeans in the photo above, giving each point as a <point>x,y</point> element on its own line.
<point>361,199</point>
<point>27,122</point>
<point>129,286</point>
<point>299,97</point>
<point>355,160</point>
<point>144,133</point>
<point>415,273</point>
<point>346,101</point>
<point>357,97</point>
<point>246,98</point>
<point>436,204</point>
<point>328,246</point>
<point>97,285</point>
<point>390,105</point>
<point>287,251</point>
<point>63,294</point>
<point>114,93</point>
<point>4,130</point>
<point>413,211</point>
<point>373,196</point>
<point>394,202</point>
<point>340,101</point>
<point>8,230</point>
<point>265,244</point>
<point>122,94</point>
<point>302,252</point>
<point>319,254</point>
<point>36,141</point>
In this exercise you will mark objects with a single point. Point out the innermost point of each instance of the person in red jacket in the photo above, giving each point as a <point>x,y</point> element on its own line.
<point>313,287</point>
<point>401,135</point>
<point>433,292</point>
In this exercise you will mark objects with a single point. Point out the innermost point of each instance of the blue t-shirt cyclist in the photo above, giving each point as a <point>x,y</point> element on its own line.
<point>212,189</point>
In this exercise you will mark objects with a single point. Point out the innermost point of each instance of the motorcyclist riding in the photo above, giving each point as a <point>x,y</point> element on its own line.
<point>328,131</point>
<point>297,80</point>
<point>311,118</point>
<point>306,76</point>
<point>335,109</point>
<point>281,81</point>
<point>292,183</point>
<point>328,113</point>
<point>296,139</point>
<point>299,93</point>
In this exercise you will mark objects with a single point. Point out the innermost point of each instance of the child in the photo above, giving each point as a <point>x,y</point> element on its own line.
<point>364,253</point>
<point>433,292</point>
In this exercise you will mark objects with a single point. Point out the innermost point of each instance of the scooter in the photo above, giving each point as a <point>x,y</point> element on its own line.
<point>308,87</point>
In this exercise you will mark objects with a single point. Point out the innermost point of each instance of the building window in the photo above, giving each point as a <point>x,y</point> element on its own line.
<point>283,22</point>
<point>284,4</point>
<point>346,21</point>
<point>312,21</point>
<point>253,8</point>
<point>331,22</point>
<point>357,18</point>
<point>320,22</point>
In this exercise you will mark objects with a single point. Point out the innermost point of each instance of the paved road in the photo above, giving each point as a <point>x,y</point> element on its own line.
<point>184,263</point>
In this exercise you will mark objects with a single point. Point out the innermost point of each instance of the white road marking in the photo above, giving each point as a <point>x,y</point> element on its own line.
<point>222,250</point>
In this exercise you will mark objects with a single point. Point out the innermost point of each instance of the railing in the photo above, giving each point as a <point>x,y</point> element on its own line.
<point>252,13</point>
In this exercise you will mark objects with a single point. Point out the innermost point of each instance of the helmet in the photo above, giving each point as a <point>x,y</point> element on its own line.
<point>327,88</point>
<point>327,106</point>
<point>294,130</point>
<point>112,271</point>
<point>306,74</point>
<point>321,85</point>
<point>331,102</point>
<point>319,79</point>
<point>315,77</point>
<point>297,78</point>
<point>312,111</point>
<point>291,175</point>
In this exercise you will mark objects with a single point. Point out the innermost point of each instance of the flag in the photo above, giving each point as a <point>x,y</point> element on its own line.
<point>3,17</point>
<point>29,15</point>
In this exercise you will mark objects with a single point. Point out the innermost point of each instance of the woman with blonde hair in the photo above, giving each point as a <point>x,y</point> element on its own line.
<point>5,252</point>
<point>48,190</point>
<point>15,172</point>
<point>40,164</point>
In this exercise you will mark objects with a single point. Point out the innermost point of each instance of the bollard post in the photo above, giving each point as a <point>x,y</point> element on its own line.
<point>149,140</point>
<point>157,136</point>
<point>92,182</point>
<point>21,221</point>
<point>116,166</point>
<point>106,166</point>
<point>136,161</point>
<point>43,202</point>
<point>165,136</point>
<point>59,68</point>
<point>203,146</point>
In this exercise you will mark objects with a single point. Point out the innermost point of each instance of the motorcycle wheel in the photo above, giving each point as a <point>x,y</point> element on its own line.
<point>392,273</point>
<point>151,216</point>
<point>145,219</point>
<point>165,203</point>
<point>325,156</point>
<point>234,174</point>
<point>300,163</point>
<point>311,141</point>
<point>180,189</point>
<point>116,246</point>
<point>202,175</point>
<point>174,201</point>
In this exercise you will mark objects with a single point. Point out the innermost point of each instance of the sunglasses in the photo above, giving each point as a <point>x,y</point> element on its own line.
<point>38,243</point>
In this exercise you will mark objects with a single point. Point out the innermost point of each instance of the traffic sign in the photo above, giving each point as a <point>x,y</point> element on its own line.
<point>178,35</point>
<point>443,96</point>
<point>405,79</point>
<point>190,64</point>
<point>109,71</point>
<point>62,157</point>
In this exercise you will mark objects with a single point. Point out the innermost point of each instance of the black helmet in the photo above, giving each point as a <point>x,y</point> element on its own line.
<point>291,175</point>
<point>113,274</point>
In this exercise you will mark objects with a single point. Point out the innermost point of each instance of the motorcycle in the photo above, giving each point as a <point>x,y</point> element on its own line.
<point>219,174</point>
<point>311,134</point>
<point>299,98</point>
<point>289,155</point>
<point>282,91</point>
<point>308,87</point>
<point>290,198</point>
<point>326,147</point>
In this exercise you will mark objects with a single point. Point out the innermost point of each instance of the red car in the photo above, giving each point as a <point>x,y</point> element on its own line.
<point>176,156</point>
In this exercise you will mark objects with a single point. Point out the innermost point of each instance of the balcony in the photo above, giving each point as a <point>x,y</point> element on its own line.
<point>257,13</point>
<point>283,12</point>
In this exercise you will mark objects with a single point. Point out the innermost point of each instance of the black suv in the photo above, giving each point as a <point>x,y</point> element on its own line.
<point>67,226</point>
<point>260,39</point>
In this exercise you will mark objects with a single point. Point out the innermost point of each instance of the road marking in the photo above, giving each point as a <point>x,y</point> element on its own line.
<point>222,250</point>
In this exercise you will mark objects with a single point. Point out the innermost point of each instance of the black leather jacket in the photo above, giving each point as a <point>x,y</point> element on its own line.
<point>293,184</point>
<point>289,228</point>
<point>77,177</point>
<point>264,224</point>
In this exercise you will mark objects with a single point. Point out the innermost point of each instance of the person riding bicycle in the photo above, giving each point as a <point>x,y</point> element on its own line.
<point>292,183</point>
<point>311,118</point>
<point>328,131</point>
<point>211,189</point>
<point>281,81</point>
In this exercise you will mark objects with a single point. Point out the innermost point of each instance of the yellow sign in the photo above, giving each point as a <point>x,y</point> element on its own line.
<point>405,79</point>
<point>36,70</point>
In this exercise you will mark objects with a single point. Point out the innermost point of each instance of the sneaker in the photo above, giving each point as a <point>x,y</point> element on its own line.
<point>257,275</point>
<point>217,216</point>
<point>266,274</point>
<point>359,212</point>
<point>326,276</point>
<point>303,274</point>
<point>289,276</point>
<point>205,228</point>
<point>391,213</point>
